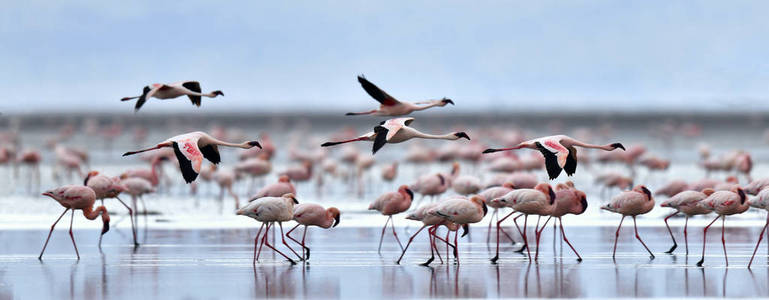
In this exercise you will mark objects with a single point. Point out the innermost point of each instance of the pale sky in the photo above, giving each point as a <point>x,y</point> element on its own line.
<point>304,55</point>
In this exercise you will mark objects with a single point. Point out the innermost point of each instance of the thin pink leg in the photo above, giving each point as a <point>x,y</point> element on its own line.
<point>72,236</point>
<point>675,245</point>
<point>411,239</point>
<point>432,242</point>
<point>381,237</point>
<point>130,214</point>
<point>392,225</point>
<point>760,237</point>
<point>50,232</point>
<point>525,238</point>
<point>304,235</point>
<point>499,222</point>
<point>563,235</point>
<point>616,237</point>
<point>723,239</point>
<point>539,234</point>
<point>283,239</point>
<point>704,239</point>
<point>639,238</point>
<point>686,236</point>
<point>261,244</point>
<point>288,234</point>
<point>256,242</point>
<point>456,246</point>
<point>267,242</point>
<point>515,221</point>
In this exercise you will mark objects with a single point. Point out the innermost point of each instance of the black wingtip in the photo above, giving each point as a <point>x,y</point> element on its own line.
<point>490,150</point>
<point>349,114</point>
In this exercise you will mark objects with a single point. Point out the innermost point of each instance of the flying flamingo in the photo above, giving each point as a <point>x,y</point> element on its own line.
<point>392,107</point>
<point>460,211</point>
<point>537,201</point>
<point>269,210</point>
<point>395,131</point>
<point>282,187</point>
<point>107,187</point>
<point>191,148</point>
<point>76,197</point>
<point>310,214</point>
<point>635,202</point>
<point>761,202</point>
<point>172,90</point>
<point>568,200</point>
<point>686,202</point>
<point>559,152</point>
<point>390,204</point>
<point>723,203</point>
<point>433,222</point>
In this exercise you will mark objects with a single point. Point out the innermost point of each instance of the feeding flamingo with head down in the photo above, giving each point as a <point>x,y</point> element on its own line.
<point>108,187</point>
<point>269,210</point>
<point>537,201</point>
<point>76,197</point>
<point>310,214</point>
<point>433,222</point>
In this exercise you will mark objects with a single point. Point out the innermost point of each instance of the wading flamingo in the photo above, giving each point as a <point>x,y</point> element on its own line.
<point>269,210</point>
<point>723,203</point>
<point>390,204</point>
<point>311,214</point>
<point>635,202</point>
<point>760,202</point>
<point>686,202</point>
<point>108,187</point>
<point>76,197</point>
<point>460,211</point>
<point>537,201</point>
<point>433,222</point>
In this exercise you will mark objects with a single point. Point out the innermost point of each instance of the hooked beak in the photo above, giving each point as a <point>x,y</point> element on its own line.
<point>49,194</point>
<point>295,202</point>
<point>584,204</point>
<point>105,227</point>
<point>465,230</point>
<point>447,101</point>
<point>485,208</point>
<point>255,144</point>
<point>336,221</point>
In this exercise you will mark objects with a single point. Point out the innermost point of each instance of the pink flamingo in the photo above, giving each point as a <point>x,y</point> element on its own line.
<point>568,200</point>
<point>492,193</point>
<point>760,202</point>
<point>392,107</point>
<point>537,201</point>
<point>723,203</point>
<point>137,187</point>
<point>225,178</point>
<point>269,210</point>
<point>389,172</point>
<point>559,152</point>
<point>150,174</point>
<point>282,187</point>
<point>686,202</point>
<point>672,188</point>
<point>433,222</point>
<point>460,211</point>
<point>390,204</point>
<point>635,202</point>
<point>172,90</point>
<point>755,186</point>
<point>191,148</point>
<point>106,187</point>
<point>299,173</point>
<point>310,214</point>
<point>74,198</point>
<point>435,184</point>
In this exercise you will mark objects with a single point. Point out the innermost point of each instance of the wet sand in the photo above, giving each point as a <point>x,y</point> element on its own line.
<point>208,264</point>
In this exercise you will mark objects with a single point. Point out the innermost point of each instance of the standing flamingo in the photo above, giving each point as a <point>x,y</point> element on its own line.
<point>107,187</point>
<point>269,210</point>
<point>492,193</point>
<point>172,90</point>
<point>310,214</point>
<point>537,201</point>
<point>760,202</point>
<point>723,203</point>
<point>151,174</point>
<point>389,172</point>
<point>191,148</point>
<point>460,211</point>
<point>394,131</point>
<point>390,204</point>
<point>282,187</point>
<point>433,222</point>
<point>559,152</point>
<point>392,107</point>
<point>76,197</point>
<point>568,200</point>
<point>686,202</point>
<point>635,202</point>
<point>137,187</point>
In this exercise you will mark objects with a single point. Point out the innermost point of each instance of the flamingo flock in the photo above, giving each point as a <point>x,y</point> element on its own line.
<point>479,179</point>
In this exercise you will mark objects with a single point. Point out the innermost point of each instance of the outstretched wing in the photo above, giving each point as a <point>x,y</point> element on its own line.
<point>556,148</point>
<point>394,125</point>
<point>381,138</point>
<point>195,87</point>
<point>377,93</point>
<point>571,161</point>
<point>211,153</point>
<point>186,165</point>
<point>142,98</point>
<point>551,161</point>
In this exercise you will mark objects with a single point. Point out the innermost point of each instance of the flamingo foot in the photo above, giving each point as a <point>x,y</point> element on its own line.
<point>494,259</point>
<point>699,264</point>
<point>672,249</point>
<point>427,263</point>
<point>522,249</point>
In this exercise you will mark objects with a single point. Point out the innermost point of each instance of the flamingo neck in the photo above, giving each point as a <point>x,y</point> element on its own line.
<point>91,214</point>
<point>433,103</point>
<point>448,136</point>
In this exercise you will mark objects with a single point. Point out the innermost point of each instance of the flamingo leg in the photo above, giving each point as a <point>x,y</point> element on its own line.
<point>686,236</point>
<point>539,234</point>
<point>392,225</point>
<point>411,239</point>
<point>675,245</point>
<point>563,236</point>
<point>525,246</point>
<point>616,237</point>
<point>760,237</point>
<point>499,222</point>
<point>130,214</point>
<point>381,237</point>
<point>432,242</point>
<point>72,236</point>
<point>304,236</point>
<point>50,232</point>
<point>448,244</point>
<point>639,238</point>
<point>256,241</point>
<point>264,237</point>
<point>267,242</point>
<point>456,246</point>
<point>283,239</point>
<point>491,220</point>
<point>525,238</point>
<point>704,239</point>
<point>723,239</point>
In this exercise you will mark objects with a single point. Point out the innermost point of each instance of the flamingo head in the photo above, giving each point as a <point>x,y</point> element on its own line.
<point>291,197</point>
<point>740,192</point>
<point>583,201</point>
<point>252,144</point>
<point>405,189</point>
<point>445,101</point>
<point>334,212</point>
<point>284,178</point>
<point>644,190</point>
<point>478,200</point>
<point>217,93</point>
<point>617,145</point>
<point>461,134</point>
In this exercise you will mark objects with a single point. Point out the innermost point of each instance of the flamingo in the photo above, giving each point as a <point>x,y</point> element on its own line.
<point>537,201</point>
<point>76,197</point>
<point>282,187</point>
<point>755,186</point>
<point>672,188</point>
<point>761,202</point>
<point>172,90</point>
<point>107,187</point>
<point>269,210</point>
<point>568,200</point>
<point>389,172</point>
<point>255,167</point>
<point>225,178</point>
<point>395,131</point>
<point>150,175</point>
<point>723,203</point>
<point>392,107</point>
<point>137,187</point>
<point>466,185</point>
<point>299,173</point>
<point>460,211</point>
<point>191,148</point>
<point>686,202</point>
<point>310,214</point>
<point>433,222</point>
<point>435,184</point>
<point>559,152</point>
<point>635,202</point>
<point>390,204</point>
<point>491,193</point>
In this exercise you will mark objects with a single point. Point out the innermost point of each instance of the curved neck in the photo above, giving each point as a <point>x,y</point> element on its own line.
<point>91,214</point>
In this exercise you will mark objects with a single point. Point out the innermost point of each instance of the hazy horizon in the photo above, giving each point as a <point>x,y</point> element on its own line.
<point>304,55</point>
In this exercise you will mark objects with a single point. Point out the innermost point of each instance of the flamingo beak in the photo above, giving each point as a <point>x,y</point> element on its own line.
<point>465,230</point>
<point>105,228</point>
<point>295,201</point>
<point>255,144</point>
<point>336,220</point>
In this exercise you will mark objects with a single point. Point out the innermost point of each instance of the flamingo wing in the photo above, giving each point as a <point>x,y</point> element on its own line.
<point>195,87</point>
<point>143,97</point>
<point>394,125</point>
<point>551,161</point>
<point>571,161</point>
<point>380,139</point>
<point>189,156</point>
<point>377,93</point>
<point>211,153</point>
